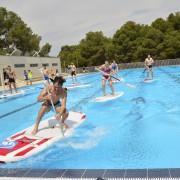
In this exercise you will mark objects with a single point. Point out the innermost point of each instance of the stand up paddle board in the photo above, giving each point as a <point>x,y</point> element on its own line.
<point>109,97</point>
<point>148,80</point>
<point>9,95</point>
<point>23,145</point>
<point>77,86</point>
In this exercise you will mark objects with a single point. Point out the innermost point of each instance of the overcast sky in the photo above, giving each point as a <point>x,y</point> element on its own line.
<point>65,22</point>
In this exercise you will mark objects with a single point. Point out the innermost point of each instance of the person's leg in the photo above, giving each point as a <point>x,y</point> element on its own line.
<point>75,78</point>
<point>111,86</point>
<point>14,86</point>
<point>39,117</point>
<point>10,88</point>
<point>104,87</point>
<point>72,77</point>
<point>151,73</point>
<point>148,74</point>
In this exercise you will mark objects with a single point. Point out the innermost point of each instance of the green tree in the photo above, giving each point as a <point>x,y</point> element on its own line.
<point>15,33</point>
<point>44,52</point>
<point>131,43</point>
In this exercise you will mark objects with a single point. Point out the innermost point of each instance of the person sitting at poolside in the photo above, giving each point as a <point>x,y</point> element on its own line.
<point>148,65</point>
<point>57,92</point>
<point>106,68</point>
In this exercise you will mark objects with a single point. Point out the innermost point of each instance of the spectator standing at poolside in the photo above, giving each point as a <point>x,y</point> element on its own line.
<point>12,79</point>
<point>25,74</point>
<point>5,77</point>
<point>30,75</point>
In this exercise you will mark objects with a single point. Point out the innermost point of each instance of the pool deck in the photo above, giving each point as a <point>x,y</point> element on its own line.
<point>101,174</point>
<point>21,83</point>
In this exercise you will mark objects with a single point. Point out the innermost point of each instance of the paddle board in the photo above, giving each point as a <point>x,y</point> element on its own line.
<point>9,95</point>
<point>148,80</point>
<point>23,145</point>
<point>77,86</point>
<point>109,97</point>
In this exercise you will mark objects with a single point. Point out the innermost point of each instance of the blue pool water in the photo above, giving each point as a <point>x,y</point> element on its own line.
<point>141,129</point>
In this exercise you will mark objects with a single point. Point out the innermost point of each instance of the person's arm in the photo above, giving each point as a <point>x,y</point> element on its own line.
<point>63,106</point>
<point>101,67</point>
<point>43,96</point>
<point>14,74</point>
<point>145,64</point>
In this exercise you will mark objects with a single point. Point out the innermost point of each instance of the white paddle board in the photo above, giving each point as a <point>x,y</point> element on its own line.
<point>148,80</point>
<point>109,97</point>
<point>9,95</point>
<point>23,145</point>
<point>77,86</point>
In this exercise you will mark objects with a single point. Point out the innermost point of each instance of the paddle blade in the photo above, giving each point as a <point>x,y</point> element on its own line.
<point>130,85</point>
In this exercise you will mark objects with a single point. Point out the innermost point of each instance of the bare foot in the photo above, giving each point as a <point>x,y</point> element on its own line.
<point>34,131</point>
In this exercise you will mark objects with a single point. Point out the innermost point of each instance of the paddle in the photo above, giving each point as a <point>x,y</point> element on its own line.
<point>46,86</point>
<point>126,84</point>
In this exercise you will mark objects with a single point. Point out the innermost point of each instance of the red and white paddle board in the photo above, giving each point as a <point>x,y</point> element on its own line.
<point>23,145</point>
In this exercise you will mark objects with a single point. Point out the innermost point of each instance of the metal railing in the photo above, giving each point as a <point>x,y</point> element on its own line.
<point>166,62</point>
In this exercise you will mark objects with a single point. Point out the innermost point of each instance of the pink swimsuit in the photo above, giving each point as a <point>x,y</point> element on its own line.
<point>106,70</point>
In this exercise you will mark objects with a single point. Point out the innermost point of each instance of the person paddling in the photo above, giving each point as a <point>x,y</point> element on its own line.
<point>106,76</point>
<point>53,93</point>
<point>148,65</point>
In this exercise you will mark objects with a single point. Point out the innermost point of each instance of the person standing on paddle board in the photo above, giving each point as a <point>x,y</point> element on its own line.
<point>12,79</point>
<point>46,73</point>
<point>148,65</point>
<point>57,92</point>
<point>108,71</point>
<point>114,67</point>
<point>73,72</point>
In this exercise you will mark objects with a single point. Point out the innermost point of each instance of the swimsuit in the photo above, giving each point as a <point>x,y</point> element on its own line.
<point>114,66</point>
<point>46,77</point>
<point>11,77</point>
<point>73,73</point>
<point>48,104</point>
<point>107,71</point>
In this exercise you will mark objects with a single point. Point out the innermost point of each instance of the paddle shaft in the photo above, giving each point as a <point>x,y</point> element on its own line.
<point>129,85</point>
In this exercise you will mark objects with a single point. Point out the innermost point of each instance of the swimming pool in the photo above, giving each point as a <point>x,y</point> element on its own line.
<point>141,129</point>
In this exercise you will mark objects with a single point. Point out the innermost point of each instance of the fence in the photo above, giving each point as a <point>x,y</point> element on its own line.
<point>132,65</point>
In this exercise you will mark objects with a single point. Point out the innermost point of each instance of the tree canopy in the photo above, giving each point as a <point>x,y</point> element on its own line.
<point>15,34</point>
<point>131,43</point>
